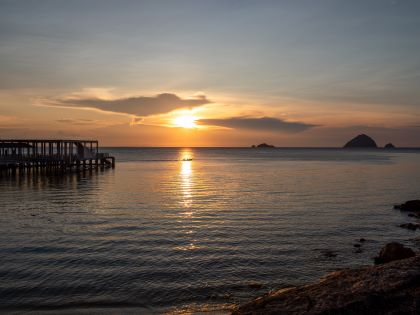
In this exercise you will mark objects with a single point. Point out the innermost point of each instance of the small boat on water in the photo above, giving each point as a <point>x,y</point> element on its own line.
<point>187,159</point>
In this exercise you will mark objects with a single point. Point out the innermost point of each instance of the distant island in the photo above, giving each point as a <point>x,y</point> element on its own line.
<point>364,141</point>
<point>361,141</point>
<point>263,145</point>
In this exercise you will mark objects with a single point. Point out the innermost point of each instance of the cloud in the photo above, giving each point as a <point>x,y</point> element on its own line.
<point>138,106</point>
<point>79,122</point>
<point>260,124</point>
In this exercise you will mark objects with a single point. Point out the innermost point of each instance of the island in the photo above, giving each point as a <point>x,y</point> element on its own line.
<point>361,141</point>
<point>263,145</point>
<point>389,146</point>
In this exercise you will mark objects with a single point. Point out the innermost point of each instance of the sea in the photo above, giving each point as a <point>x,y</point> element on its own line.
<point>196,230</point>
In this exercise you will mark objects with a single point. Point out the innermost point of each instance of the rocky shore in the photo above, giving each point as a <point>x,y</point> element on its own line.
<point>392,286</point>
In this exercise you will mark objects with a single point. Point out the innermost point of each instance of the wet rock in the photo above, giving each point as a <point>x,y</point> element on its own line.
<point>393,251</point>
<point>391,288</point>
<point>362,240</point>
<point>389,146</point>
<point>410,226</point>
<point>411,205</point>
<point>329,253</point>
<point>356,245</point>
<point>361,141</point>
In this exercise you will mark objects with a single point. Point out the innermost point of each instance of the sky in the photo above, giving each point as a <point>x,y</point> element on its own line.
<point>211,73</point>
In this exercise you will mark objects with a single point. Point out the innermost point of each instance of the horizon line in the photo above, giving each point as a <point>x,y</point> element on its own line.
<point>250,147</point>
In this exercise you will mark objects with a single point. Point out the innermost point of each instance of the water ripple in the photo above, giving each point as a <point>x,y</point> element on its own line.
<point>170,233</point>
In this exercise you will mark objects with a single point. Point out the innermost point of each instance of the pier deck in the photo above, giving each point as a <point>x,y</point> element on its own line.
<point>55,155</point>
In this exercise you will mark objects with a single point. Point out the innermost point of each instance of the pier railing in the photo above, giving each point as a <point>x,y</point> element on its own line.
<point>63,154</point>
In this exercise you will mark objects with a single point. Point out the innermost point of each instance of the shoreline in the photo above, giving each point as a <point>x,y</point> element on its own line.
<point>391,288</point>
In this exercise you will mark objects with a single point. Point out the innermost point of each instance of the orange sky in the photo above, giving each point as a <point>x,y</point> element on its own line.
<point>210,74</point>
<point>221,121</point>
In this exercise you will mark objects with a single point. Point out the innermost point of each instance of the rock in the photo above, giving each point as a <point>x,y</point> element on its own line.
<point>362,240</point>
<point>389,146</point>
<point>265,145</point>
<point>385,289</point>
<point>361,141</point>
<point>410,226</point>
<point>356,245</point>
<point>329,253</point>
<point>411,205</point>
<point>393,251</point>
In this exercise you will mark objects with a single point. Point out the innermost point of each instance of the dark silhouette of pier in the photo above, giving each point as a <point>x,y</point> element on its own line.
<point>52,155</point>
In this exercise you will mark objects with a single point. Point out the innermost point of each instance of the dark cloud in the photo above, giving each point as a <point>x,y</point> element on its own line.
<point>138,106</point>
<point>261,124</point>
<point>76,121</point>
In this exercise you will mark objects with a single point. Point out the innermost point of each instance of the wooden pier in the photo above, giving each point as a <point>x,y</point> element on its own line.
<point>52,155</point>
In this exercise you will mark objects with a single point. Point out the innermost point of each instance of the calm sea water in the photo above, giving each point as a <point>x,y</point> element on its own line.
<point>161,234</point>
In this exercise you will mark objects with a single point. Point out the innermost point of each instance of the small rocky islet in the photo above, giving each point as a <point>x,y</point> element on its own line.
<point>363,141</point>
<point>391,286</point>
<point>262,146</point>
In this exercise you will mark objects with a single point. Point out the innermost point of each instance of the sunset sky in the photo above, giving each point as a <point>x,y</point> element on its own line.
<point>211,73</point>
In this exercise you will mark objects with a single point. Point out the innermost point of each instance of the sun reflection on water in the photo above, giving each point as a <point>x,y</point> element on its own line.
<point>186,186</point>
<point>186,182</point>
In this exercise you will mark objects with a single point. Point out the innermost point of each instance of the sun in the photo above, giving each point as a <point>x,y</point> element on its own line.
<point>185,121</point>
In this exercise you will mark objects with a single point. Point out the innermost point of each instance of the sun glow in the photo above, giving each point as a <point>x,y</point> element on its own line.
<point>185,121</point>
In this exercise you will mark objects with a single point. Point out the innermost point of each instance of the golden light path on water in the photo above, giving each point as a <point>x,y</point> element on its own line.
<point>186,189</point>
<point>186,185</point>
